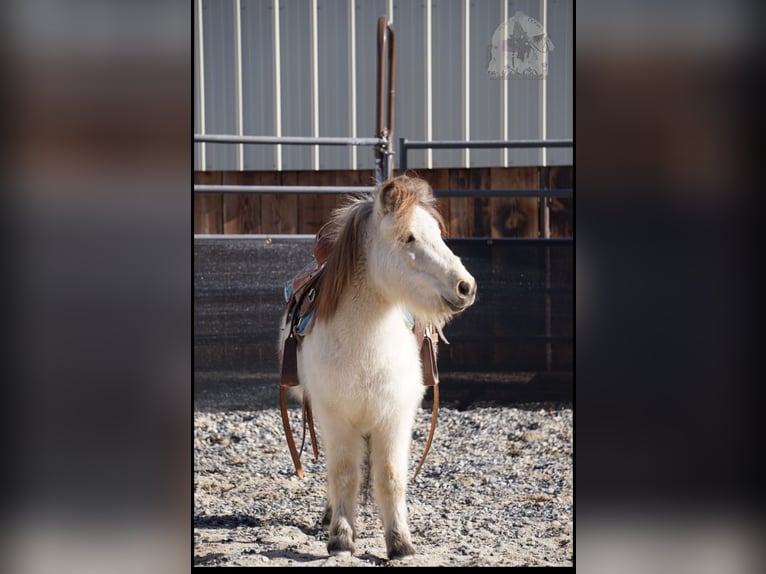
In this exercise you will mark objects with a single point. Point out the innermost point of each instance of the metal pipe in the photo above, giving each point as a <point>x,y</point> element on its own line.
<point>327,190</point>
<point>544,85</point>
<point>293,140</point>
<point>405,145</point>
<point>403,155</point>
<point>238,89</point>
<point>466,55</point>
<point>429,87</point>
<point>515,144</point>
<point>314,83</point>
<point>391,88</point>
<point>201,78</point>
<point>277,238</point>
<point>379,101</point>
<point>558,242</point>
<point>504,81</point>
<point>384,123</point>
<point>352,77</point>
<point>277,87</point>
<point>563,192</point>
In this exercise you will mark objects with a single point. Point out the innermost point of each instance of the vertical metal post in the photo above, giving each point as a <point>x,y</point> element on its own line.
<point>238,81</point>
<point>201,78</point>
<point>544,86</point>
<point>402,155</point>
<point>466,79</point>
<point>545,201</point>
<point>545,225</point>
<point>277,89</point>
<point>379,127</point>
<point>429,85</point>
<point>391,97</point>
<point>504,81</point>
<point>314,84</point>
<point>384,123</point>
<point>352,77</point>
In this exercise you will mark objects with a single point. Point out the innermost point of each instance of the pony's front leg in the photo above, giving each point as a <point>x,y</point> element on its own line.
<point>345,449</point>
<point>388,459</point>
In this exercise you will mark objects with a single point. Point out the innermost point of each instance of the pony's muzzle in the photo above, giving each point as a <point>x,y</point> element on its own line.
<point>466,291</point>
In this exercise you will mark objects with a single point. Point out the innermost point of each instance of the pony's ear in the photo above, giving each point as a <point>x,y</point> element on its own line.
<point>395,195</point>
<point>389,197</point>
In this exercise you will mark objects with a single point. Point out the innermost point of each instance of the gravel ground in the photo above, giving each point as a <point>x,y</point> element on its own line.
<point>495,490</point>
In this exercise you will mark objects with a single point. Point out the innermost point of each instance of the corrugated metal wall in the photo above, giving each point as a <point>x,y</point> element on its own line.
<point>308,69</point>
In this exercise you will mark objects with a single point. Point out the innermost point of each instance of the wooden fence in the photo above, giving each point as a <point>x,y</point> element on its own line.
<point>289,213</point>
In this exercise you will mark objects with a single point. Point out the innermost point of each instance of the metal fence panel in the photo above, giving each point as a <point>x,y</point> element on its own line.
<point>334,87</point>
<point>463,95</point>
<point>560,98</point>
<point>522,320</point>
<point>218,49</point>
<point>295,34</point>
<point>257,81</point>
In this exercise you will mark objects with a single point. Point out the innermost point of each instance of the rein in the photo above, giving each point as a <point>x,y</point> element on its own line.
<point>301,293</point>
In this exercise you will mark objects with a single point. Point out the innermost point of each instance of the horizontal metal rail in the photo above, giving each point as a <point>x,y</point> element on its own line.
<point>309,238</point>
<point>290,140</point>
<point>405,145</point>
<point>466,144</point>
<point>563,192</point>
<point>281,189</point>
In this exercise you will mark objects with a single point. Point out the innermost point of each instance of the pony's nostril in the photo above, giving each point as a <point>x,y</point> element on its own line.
<point>464,288</point>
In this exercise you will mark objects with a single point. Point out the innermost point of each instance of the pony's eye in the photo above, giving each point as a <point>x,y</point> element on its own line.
<point>410,238</point>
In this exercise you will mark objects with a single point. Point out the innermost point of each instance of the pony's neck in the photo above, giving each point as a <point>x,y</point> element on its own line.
<point>363,302</point>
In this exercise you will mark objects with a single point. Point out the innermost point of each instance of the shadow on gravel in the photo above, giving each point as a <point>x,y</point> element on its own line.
<point>229,521</point>
<point>293,555</point>
<point>211,559</point>
<point>378,561</point>
<point>218,392</point>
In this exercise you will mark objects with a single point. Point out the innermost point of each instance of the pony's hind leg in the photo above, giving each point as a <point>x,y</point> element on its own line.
<point>326,516</point>
<point>344,456</point>
<point>388,459</point>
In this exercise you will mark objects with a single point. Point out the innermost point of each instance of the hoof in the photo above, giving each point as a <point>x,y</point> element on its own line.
<point>340,547</point>
<point>342,554</point>
<point>400,550</point>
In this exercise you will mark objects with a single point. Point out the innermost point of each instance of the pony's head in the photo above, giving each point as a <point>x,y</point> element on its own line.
<point>396,240</point>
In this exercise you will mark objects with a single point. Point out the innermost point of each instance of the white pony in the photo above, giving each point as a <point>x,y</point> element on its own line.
<point>360,364</point>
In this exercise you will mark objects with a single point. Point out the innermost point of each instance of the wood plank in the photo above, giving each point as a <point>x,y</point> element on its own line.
<point>514,216</point>
<point>208,210</point>
<point>439,179</point>
<point>329,202</point>
<point>279,211</point>
<point>461,208</point>
<point>561,208</point>
<point>242,211</point>
<point>481,178</point>
<point>358,177</point>
<point>314,209</point>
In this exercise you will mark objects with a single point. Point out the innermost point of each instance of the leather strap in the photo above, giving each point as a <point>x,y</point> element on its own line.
<point>288,431</point>
<point>430,379</point>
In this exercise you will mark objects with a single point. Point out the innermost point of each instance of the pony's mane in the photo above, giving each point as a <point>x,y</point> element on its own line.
<point>399,197</point>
